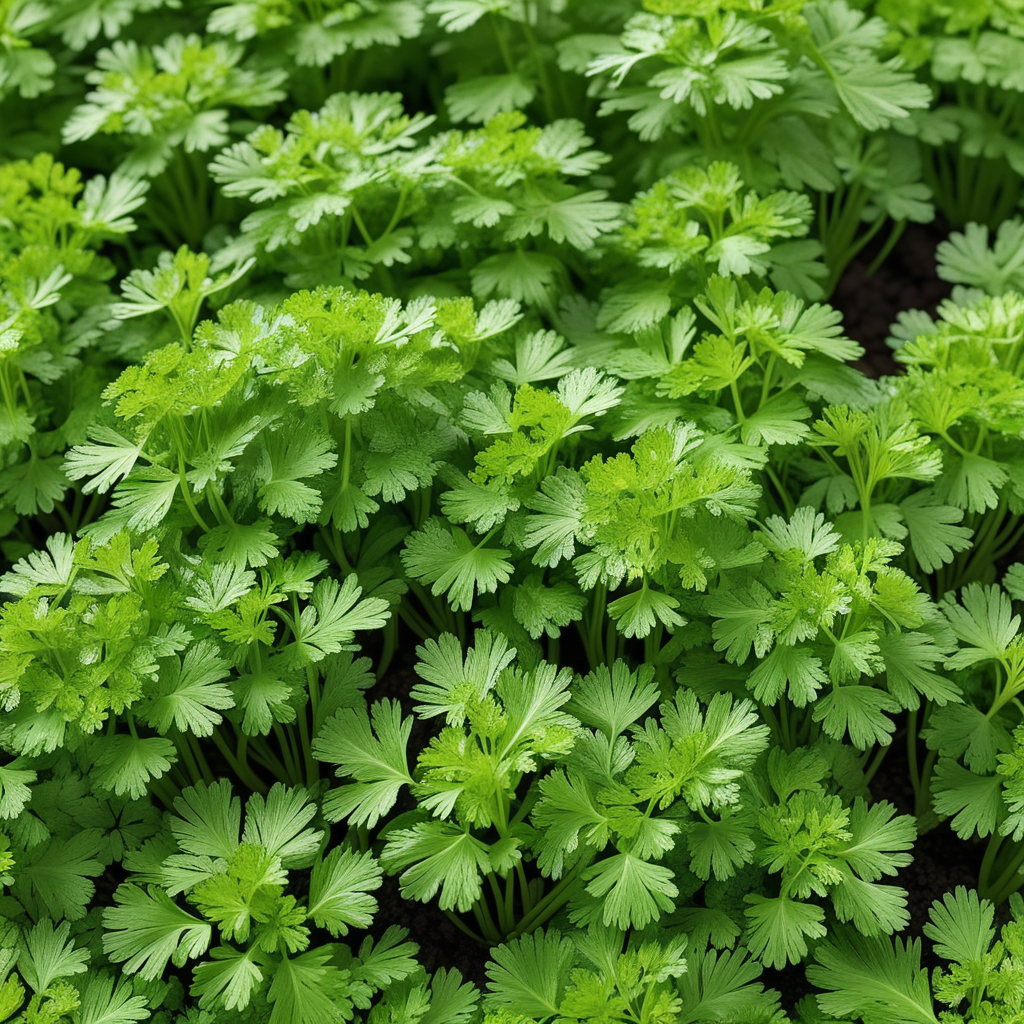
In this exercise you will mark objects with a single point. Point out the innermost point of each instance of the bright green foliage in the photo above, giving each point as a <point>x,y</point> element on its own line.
<point>964,387</point>
<point>590,977</point>
<point>969,52</point>
<point>698,222</point>
<point>353,191</point>
<point>25,69</point>
<point>339,181</point>
<point>98,636</point>
<point>753,368</point>
<point>506,183</point>
<point>759,338</point>
<point>967,258</point>
<point>235,877</point>
<point>711,66</point>
<point>796,93</point>
<point>175,94</point>
<point>448,558</point>
<point>978,777</point>
<point>871,462</point>
<point>523,438</point>
<point>647,517</point>
<point>59,838</point>
<point>178,286</point>
<point>71,660</point>
<point>212,410</point>
<point>819,847</point>
<point>46,958</point>
<point>486,342</point>
<point>315,37</point>
<point>531,424</point>
<point>504,53</point>
<point>881,983</point>
<point>53,302</point>
<point>637,793</point>
<point>30,30</point>
<point>501,723</point>
<point>834,627</point>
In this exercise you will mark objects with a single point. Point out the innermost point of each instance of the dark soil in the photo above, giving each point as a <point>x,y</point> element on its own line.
<point>441,943</point>
<point>906,280</point>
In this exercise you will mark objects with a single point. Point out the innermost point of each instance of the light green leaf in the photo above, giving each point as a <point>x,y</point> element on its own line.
<point>227,979</point>
<point>146,930</point>
<point>636,614</point>
<point>530,974</point>
<point>482,97</point>
<point>454,564</point>
<point>339,890</point>
<point>278,824</point>
<point>633,892</point>
<point>874,980</point>
<point>189,692</point>
<point>126,764</point>
<point>779,928</point>
<point>859,711</point>
<point>375,757</point>
<point>434,855</point>
<point>50,954</point>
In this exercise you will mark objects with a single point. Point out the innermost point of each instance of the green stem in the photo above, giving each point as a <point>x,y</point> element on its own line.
<point>262,754</point>
<point>611,642</point>
<point>239,767</point>
<point>186,493</point>
<point>552,901</point>
<point>499,896</point>
<point>312,768</point>
<point>1011,878</point>
<point>734,391</point>
<point>415,621</point>
<point>876,762</point>
<point>488,928</point>
<point>200,757</point>
<point>890,243</point>
<point>923,801</point>
<point>772,720</point>
<point>506,54</point>
<point>787,502</point>
<point>992,848</point>
<point>181,742</point>
<point>784,727</point>
<point>592,638</point>
<point>463,927</point>
<point>294,775</point>
<point>164,790</point>
<point>542,72</point>
<point>525,887</point>
<point>912,740</point>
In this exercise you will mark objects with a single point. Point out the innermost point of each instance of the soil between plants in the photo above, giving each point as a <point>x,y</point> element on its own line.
<point>905,280</point>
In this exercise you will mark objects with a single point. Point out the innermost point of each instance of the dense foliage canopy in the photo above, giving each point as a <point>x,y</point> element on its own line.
<point>432,472</point>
